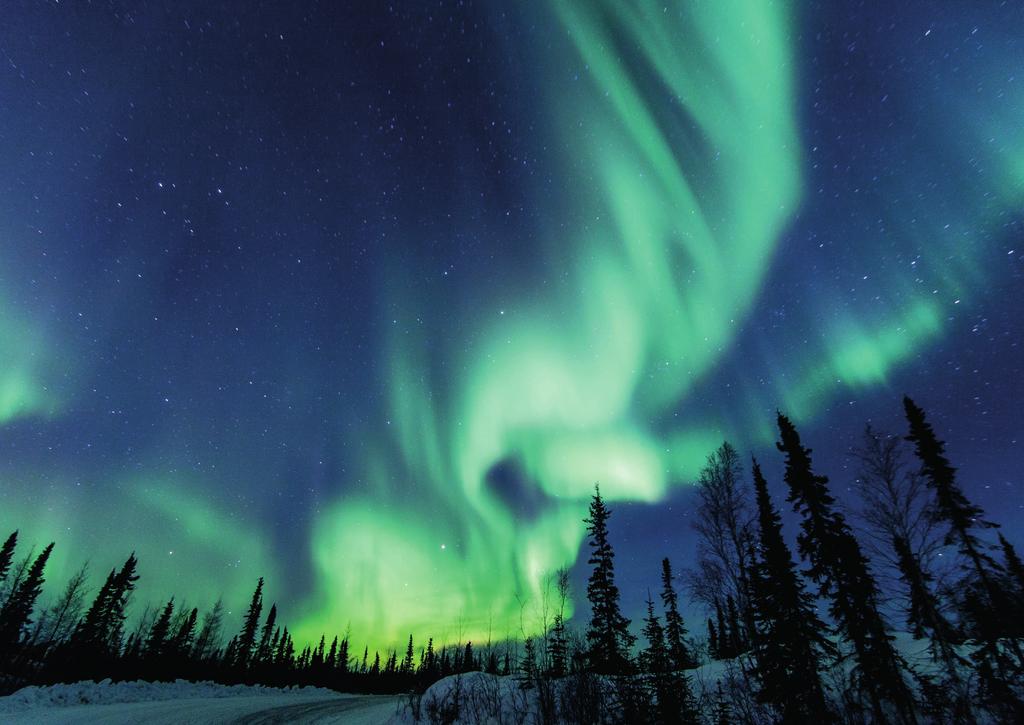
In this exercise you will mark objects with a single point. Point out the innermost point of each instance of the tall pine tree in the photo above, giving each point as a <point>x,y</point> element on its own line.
<point>608,637</point>
<point>673,698</point>
<point>984,604</point>
<point>263,650</point>
<point>791,639</point>
<point>675,629</point>
<point>7,554</point>
<point>159,632</point>
<point>247,637</point>
<point>961,516</point>
<point>841,571</point>
<point>17,610</point>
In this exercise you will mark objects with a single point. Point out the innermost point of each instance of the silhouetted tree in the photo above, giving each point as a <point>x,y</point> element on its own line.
<point>984,604</point>
<point>712,640</point>
<point>608,634</point>
<point>343,655</point>
<point>468,659</point>
<point>247,637</point>
<point>558,647</point>
<point>7,554</point>
<point>791,639</point>
<point>673,700</point>
<point>158,634</point>
<point>841,571</point>
<point>17,610</point>
<point>60,619</point>
<point>332,655</point>
<point>208,638</point>
<point>1014,569</point>
<point>263,650</point>
<point>407,661</point>
<point>528,665</point>
<point>181,642</point>
<point>725,650</point>
<point>675,628</point>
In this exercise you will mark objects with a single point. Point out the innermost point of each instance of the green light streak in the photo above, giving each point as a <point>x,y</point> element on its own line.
<point>685,209</point>
<point>22,357</point>
<point>187,545</point>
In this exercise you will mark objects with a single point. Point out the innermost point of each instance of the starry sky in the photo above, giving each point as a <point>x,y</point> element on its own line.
<point>365,297</point>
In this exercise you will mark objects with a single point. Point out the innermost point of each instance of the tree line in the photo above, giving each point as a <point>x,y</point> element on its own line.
<point>958,591</point>
<point>781,643</point>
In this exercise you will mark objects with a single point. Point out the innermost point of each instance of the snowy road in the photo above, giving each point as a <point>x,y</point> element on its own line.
<point>258,710</point>
<point>347,710</point>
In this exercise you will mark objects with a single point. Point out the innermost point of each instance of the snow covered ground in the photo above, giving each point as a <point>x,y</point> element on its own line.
<point>187,702</point>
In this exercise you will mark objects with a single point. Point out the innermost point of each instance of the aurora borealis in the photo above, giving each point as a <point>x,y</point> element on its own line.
<point>365,300</point>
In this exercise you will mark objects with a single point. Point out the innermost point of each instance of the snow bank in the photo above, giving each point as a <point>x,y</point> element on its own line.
<point>107,692</point>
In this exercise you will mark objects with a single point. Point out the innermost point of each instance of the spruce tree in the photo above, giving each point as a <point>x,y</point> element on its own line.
<point>924,615</point>
<point>528,665</point>
<point>984,602</point>
<point>281,645</point>
<point>673,698</point>
<point>791,639</point>
<point>723,713</point>
<point>263,650</point>
<point>608,637</point>
<point>1015,573</point>
<point>737,640</point>
<point>91,629</point>
<point>675,629</point>
<point>17,610</point>
<point>725,650</point>
<point>945,697</point>
<point>712,640</point>
<point>655,657</point>
<point>158,633</point>
<point>116,613</point>
<point>429,666</point>
<point>275,644</point>
<point>181,643</point>
<point>951,505</point>
<point>208,639</point>
<point>840,569</point>
<point>317,656</point>
<point>343,656</point>
<point>331,660</point>
<point>7,554</point>
<point>407,666</point>
<point>247,637</point>
<point>559,647</point>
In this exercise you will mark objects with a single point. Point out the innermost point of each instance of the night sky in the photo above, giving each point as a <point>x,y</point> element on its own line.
<point>365,297</point>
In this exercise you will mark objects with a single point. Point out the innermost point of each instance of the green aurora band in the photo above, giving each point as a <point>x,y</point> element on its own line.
<point>657,286</point>
<point>679,211</point>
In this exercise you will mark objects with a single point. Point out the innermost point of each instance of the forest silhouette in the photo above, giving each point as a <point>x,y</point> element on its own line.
<point>800,636</point>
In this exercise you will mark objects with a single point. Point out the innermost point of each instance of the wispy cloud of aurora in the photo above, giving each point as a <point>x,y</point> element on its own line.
<point>685,201</point>
<point>24,372</point>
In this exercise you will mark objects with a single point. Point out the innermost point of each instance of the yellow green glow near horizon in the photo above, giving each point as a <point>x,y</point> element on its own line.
<point>561,391</point>
<point>680,145</point>
<point>188,546</point>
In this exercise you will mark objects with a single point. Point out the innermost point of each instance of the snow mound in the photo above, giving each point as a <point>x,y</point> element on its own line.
<point>107,692</point>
